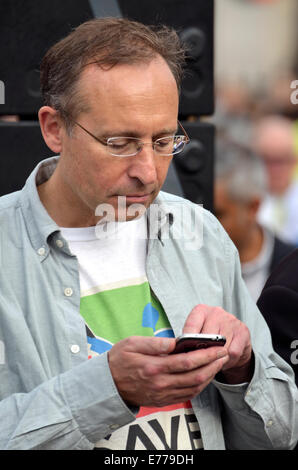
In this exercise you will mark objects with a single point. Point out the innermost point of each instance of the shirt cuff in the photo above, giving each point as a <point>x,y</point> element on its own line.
<point>94,400</point>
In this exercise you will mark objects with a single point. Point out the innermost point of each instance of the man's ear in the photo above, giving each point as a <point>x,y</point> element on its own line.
<point>254,206</point>
<point>51,127</point>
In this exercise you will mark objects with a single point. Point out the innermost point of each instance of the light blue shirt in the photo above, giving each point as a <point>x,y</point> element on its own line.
<point>53,397</point>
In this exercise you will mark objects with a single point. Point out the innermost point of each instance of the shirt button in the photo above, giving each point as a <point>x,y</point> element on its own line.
<point>41,251</point>
<point>269,423</point>
<point>75,348</point>
<point>59,243</point>
<point>68,291</point>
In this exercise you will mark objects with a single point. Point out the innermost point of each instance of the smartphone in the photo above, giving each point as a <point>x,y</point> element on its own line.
<point>191,342</point>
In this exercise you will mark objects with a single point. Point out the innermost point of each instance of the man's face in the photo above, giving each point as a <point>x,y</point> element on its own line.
<point>276,147</point>
<point>127,100</point>
<point>235,217</point>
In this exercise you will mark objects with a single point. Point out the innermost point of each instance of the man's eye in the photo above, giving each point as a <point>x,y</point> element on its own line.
<point>164,142</point>
<point>118,144</point>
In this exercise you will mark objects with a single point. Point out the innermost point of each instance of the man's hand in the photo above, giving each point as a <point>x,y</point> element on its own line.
<point>147,375</point>
<point>206,319</point>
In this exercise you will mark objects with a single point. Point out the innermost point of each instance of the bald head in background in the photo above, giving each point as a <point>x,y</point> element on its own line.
<point>274,142</point>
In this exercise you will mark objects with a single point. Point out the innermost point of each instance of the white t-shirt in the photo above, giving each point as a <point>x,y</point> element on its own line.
<point>117,302</point>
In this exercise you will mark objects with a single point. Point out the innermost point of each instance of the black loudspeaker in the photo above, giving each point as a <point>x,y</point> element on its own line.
<point>194,20</point>
<point>27,30</point>
<point>192,171</point>
<point>22,147</point>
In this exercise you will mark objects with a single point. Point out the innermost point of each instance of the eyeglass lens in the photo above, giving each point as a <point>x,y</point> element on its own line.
<point>129,145</point>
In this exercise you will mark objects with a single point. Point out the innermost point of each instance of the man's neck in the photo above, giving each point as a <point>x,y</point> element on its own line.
<point>253,246</point>
<point>62,206</point>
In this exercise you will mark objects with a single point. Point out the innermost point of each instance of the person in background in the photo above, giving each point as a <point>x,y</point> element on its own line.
<point>274,142</point>
<point>278,303</point>
<point>240,187</point>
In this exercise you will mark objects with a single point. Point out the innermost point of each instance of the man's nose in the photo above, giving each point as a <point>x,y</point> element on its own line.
<point>144,165</point>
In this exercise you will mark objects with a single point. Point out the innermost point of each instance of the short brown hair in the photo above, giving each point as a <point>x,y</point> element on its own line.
<point>104,41</point>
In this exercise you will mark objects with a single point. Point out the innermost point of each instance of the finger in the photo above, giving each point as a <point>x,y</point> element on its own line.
<point>196,319</point>
<point>148,345</point>
<point>192,360</point>
<point>220,322</point>
<point>185,386</point>
<point>239,348</point>
<point>197,377</point>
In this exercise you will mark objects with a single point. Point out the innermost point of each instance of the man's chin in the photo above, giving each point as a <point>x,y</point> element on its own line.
<point>124,208</point>
<point>133,207</point>
<point>130,212</point>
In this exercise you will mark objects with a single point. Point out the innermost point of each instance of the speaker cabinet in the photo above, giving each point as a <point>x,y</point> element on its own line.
<point>22,147</point>
<point>194,20</point>
<point>27,30</point>
<point>192,171</point>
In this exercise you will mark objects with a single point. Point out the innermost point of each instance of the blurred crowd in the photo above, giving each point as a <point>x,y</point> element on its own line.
<point>256,174</point>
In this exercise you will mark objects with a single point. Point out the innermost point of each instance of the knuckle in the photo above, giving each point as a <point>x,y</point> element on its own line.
<point>186,362</point>
<point>197,308</point>
<point>158,385</point>
<point>150,370</point>
<point>234,353</point>
<point>201,377</point>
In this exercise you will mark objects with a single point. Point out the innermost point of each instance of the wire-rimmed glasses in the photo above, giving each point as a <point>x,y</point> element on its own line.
<point>131,146</point>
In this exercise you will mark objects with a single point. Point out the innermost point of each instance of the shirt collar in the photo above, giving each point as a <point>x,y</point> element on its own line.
<point>41,226</point>
<point>38,222</point>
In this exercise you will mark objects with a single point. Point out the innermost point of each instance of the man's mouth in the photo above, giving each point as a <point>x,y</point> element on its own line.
<point>140,198</point>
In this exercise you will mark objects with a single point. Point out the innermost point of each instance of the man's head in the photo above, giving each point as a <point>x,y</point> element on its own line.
<point>111,77</point>
<point>106,42</point>
<point>274,142</point>
<point>240,186</point>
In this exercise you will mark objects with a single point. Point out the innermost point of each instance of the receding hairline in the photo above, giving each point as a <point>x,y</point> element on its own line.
<point>82,97</point>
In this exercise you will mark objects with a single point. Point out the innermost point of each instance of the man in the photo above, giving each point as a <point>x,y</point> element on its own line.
<point>275,143</point>
<point>111,106</point>
<point>240,187</point>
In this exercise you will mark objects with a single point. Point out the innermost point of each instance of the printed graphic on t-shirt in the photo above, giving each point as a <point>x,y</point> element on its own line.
<point>111,315</point>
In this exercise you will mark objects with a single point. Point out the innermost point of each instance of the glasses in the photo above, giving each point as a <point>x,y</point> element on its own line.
<point>130,146</point>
